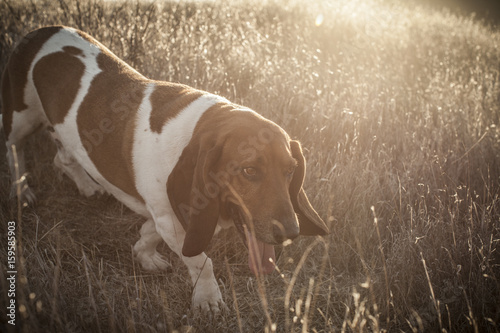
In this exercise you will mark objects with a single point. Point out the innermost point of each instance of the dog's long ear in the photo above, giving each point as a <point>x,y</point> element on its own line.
<point>309,221</point>
<point>194,201</point>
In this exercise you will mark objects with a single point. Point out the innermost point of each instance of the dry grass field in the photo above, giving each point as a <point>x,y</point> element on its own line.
<point>398,109</point>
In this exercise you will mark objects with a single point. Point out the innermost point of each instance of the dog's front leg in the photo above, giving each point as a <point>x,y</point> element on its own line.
<point>206,293</point>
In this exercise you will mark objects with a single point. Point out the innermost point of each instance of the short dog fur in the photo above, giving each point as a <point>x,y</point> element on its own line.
<point>189,161</point>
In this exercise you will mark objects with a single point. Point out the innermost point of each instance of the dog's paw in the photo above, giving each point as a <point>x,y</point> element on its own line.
<point>210,308</point>
<point>89,188</point>
<point>208,301</point>
<point>26,194</point>
<point>152,262</point>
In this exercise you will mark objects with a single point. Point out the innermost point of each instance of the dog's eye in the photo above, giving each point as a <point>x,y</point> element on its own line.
<point>250,172</point>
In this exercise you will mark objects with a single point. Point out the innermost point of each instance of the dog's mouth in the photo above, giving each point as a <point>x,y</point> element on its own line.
<point>261,255</point>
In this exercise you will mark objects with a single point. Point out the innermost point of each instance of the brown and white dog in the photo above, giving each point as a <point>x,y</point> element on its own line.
<point>189,161</point>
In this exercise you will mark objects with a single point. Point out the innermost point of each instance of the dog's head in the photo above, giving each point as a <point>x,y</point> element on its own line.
<point>243,167</point>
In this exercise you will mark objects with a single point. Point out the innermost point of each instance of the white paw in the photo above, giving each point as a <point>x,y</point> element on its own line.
<point>211,309</point>
<point>152,262</point>
<point>90,188</point>
<point>27,196</point>
<point>208,302</point>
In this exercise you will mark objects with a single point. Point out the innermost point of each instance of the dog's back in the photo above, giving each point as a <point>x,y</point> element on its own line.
<point>48,82</point>
<point>64,80</point>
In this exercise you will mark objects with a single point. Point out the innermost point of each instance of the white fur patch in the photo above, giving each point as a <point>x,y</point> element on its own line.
<point>156,154</point>
<point>67,131</point>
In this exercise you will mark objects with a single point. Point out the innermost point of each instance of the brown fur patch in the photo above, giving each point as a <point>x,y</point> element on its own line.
<point>57,79</point>
<point>106,120</point>
<point>15,75</point>
<point>167,100</point>
<point>73,50</point>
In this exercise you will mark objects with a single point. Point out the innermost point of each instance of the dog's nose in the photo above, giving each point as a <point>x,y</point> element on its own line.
<point>282,232</point>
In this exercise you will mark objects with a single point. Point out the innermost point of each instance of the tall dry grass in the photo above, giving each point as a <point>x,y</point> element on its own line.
<point>398,110</point>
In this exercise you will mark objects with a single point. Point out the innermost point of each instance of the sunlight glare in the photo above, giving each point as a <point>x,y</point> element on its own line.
<point>319,20</point>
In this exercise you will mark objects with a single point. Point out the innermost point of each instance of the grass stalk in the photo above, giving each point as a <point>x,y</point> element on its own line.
<point>395,106</point>
<point>433,296</point>
<point>384,265</point>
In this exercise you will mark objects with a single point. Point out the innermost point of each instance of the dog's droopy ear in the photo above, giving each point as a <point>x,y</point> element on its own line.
<point>309,221</point>
<point>194,201</point>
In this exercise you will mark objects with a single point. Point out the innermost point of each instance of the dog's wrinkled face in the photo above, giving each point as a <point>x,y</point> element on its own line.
<point>245,168</point>
<point>257,198</point>
<point>257,194</point>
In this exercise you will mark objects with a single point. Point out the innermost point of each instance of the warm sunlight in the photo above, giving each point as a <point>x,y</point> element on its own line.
<point>140,193</point>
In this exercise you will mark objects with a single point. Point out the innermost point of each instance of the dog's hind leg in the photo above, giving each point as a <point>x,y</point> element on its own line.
<point>22,114</point>
<point>145,248</point>
<point>22,125</point>
<point>67,163</point>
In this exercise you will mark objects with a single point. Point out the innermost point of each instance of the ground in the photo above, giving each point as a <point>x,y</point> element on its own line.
<point>396,107</point>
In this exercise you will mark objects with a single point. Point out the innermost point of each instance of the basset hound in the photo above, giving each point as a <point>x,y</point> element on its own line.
<point>189,161</point>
